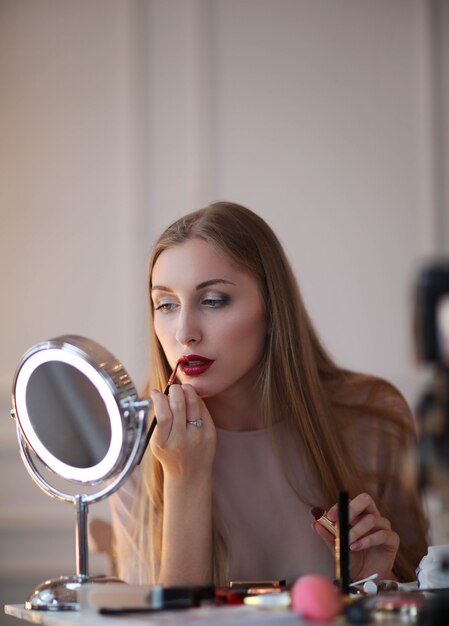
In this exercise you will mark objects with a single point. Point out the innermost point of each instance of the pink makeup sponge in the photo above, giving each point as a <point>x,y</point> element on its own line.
<point>315,597</point>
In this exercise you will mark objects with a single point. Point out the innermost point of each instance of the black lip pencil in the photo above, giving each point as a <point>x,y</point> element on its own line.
<point>342,543</point>
<point>170,382</point>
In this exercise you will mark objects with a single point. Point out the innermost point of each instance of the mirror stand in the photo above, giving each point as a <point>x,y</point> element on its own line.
<point>82,554</point>
<point>60,594</point>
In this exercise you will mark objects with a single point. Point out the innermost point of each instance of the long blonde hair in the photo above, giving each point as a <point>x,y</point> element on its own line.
<point>296,371</point>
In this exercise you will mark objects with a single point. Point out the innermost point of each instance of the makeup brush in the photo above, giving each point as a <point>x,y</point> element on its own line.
<point>170,382</point>
<point>342,543</point>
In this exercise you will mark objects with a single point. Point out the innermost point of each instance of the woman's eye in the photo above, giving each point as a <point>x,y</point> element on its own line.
<point>215,303</point>
<point>165,306</point>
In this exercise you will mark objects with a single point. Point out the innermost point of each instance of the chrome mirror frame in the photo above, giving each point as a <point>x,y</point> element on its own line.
<point>128,416</point>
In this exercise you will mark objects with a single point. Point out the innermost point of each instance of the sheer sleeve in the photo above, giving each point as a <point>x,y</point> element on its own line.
<point>392,439</point>
<point>132,545</point>
<point>381,437</point>
<point>399,500</point>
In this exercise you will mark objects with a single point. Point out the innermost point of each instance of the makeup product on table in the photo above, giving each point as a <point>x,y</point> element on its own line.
<point>226,595</point>
<point>239,590</point>
<point>320,516</point>
<point>170,382</point>
<point>365,585</point>
<point>315,597</point>
<point>114,599</point>
<point>270,601</point>
<point>263,586</point>
<point>402,607</point>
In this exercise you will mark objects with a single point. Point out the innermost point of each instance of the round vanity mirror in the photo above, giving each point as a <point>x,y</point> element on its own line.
<point>77,413</point>
<point>81,446</point>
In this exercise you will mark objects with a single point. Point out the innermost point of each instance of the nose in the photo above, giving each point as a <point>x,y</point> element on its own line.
<point>188,328</point>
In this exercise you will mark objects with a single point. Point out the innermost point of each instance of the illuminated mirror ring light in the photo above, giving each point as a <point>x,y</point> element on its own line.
<point>67,352</point>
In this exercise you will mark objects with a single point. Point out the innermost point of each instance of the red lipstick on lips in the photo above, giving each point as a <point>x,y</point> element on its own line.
<point>194,364</point>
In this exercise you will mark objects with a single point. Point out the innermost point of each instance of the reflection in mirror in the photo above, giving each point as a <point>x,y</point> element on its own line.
<point>68,415</point>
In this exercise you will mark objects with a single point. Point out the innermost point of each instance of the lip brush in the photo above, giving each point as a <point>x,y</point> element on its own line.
<point>170,382</point>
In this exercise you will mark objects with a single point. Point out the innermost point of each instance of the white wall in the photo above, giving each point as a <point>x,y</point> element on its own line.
<point>74,230</point>
<point>323,134</point>
<point>323,117</point>
<point>116,116</point>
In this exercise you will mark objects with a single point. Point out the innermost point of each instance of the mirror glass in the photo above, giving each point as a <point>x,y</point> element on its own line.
<point>68,415</point>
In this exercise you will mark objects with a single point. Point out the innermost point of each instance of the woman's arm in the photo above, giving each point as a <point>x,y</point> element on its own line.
<point>186,453</point>
<point>187,533</point>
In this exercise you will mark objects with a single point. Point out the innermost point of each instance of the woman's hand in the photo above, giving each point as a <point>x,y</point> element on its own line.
<point>372,541</point>
<point>184,450</point>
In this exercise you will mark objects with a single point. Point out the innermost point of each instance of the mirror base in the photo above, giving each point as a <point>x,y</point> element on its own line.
<point>61,594</point>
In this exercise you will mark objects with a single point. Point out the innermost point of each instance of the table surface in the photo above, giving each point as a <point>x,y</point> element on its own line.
<point>218,616</point>
<point>203,616</point>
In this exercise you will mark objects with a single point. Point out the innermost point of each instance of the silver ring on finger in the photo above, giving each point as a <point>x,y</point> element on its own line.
<point>198,422</point>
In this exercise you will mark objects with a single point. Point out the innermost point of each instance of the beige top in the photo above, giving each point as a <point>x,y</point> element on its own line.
<point>265,525</point>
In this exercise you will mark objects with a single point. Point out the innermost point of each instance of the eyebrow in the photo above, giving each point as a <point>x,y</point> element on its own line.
<point>206,283</point>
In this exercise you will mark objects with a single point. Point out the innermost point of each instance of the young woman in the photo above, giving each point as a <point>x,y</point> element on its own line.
<point>260,426</point>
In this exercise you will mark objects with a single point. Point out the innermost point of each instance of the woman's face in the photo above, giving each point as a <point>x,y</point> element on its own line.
<point>210,314</point>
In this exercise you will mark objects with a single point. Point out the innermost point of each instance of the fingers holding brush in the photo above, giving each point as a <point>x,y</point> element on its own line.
<point>164,420</point>
<point>184,439</point>
<point>153,422</point>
